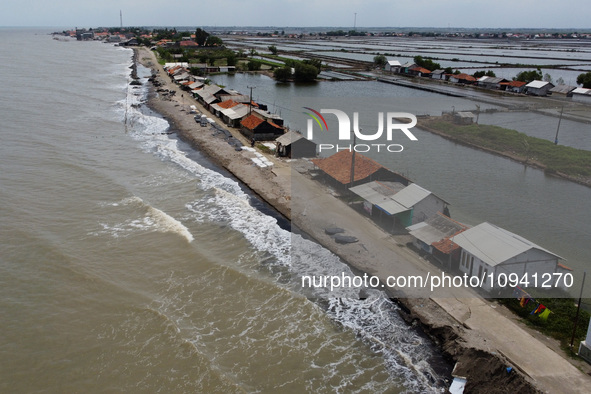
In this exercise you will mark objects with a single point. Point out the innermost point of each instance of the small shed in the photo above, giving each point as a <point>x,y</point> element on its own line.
<point>464,118</point>
<point>393,66</point>
<point>294,145</point>
<point>438,74</point>
<point>538,88</point>
<point>563,90</point>
<point>582,95</point>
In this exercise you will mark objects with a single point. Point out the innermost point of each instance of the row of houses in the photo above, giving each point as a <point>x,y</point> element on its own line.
<point>486,251</point>
<point>534,88</point>
<point>237,110</point>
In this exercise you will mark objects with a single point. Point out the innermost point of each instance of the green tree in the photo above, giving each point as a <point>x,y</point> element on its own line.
<point>254,65</point>
<point>273,49</point>
<point>213,41</point>
<point>488,73</point>
<point>282,74</point>
<point>201,36</point>
<point>305,72</point>
<point>314,62</point>
<point>426,63</point>
<point>528,76</point>
<point>380,61</point>
<point>585,80</point>
<point>548,78</point>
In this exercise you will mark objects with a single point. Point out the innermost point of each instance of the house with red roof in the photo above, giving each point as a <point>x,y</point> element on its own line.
<point>513,86</point>
<point>462,78</point>
<point>337,170</point>
<point>260,129</point>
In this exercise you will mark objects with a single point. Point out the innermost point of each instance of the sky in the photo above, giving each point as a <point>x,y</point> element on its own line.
<point>504,14</point>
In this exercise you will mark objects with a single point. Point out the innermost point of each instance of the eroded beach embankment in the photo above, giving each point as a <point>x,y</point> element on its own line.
<point>484,369</point>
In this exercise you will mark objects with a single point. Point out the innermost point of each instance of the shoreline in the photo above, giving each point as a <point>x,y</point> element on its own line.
<point>478,358</point>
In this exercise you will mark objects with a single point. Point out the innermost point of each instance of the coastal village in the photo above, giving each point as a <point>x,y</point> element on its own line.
<point>388,197</point>
<point>391,201</point>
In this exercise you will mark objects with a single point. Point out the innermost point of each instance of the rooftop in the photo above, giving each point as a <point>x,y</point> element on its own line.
<point>494,245</point>
<point>338,166</point>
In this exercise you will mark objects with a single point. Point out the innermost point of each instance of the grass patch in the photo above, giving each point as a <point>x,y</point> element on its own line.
<point>559,324</point>
<point>555,158</point>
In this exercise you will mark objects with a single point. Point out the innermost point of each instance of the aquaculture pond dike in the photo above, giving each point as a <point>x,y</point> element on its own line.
<point>562,161</point>
<point>481,340</point>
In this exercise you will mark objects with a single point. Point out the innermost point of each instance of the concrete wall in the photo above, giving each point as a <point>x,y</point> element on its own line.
<point>426,208</point>
<point>534,263</point>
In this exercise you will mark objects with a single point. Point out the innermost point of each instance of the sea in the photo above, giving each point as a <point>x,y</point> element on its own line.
<point>131,263</point>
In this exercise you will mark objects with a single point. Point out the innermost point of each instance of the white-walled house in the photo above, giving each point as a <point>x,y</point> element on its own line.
<point>393,66</point>
<point>487,249</point>
<point>538,88</point>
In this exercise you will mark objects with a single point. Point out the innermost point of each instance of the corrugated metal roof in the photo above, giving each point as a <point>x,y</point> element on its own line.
<point>377,193</point>
<point>494,245</point>
<point>436,229</point>
<point>493,80</point>
<point>537,84</point>
<point>584,91</point>
<point>564,89</point>
<point>289,138</point>
<point>236,112</point>
<point>411,195</point>
<point>391,197</point>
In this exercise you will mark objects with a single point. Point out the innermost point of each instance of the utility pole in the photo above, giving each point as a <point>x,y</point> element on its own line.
<point>121,18</point>
<point>558,128</point>
<point>572,339</point>
<point>250,103</point>
<point>355,22</point>
<point>353,158</point>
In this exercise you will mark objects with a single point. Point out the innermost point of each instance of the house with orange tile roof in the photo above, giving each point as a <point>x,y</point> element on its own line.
<point>188,44</point>
<point>260,129</point>
<point>462,78</point>
<point>513,86</point>
<point>419,71</point>
<point>337,170</point>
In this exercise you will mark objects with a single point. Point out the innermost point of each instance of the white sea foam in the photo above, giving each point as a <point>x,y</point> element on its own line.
<point>150,219</point>
<point>167,223</point>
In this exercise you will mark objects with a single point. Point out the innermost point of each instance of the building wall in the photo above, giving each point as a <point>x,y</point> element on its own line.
<point>532,262</point>
<point>426,208</point>
<point>543,91</point>
<point>582,98</point>
<point>303,148</point>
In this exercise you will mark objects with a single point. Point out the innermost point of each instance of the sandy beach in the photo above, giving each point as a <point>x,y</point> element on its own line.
<point>481,336</point>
